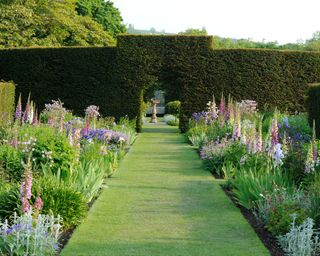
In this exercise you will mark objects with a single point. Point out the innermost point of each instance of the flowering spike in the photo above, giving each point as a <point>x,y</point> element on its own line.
<point>314,145</point>
<point>38,203</point>
<point>236,134</point>
<point>260,139</point>
<point>222,106</point>
<point>35,118</point>
<point>26,113</point>
<point>18,114</point>
<point>310,163</point>
<point>274,131</point>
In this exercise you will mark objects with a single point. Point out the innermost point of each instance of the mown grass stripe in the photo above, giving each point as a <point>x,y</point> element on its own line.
<point>163,202</point>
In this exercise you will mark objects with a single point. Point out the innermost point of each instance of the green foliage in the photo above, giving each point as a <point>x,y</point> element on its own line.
<point>314,195</point>
<point>282,216</point>
<point>10,162</point>
<point>195,31</point>
<point>88,178</point>
<point>51,147</point>
<point>294,163</point>
<point>48,23</point>
<point>173,107</point>
<point>60,198</point>
<point>231,43</point>
<point>313,105</point>
<point>173,122</point>
<point>7,93</point>
<point>197,135</point>
<point>104,13</point>
<point>10,201</point>
<point>250,184</point>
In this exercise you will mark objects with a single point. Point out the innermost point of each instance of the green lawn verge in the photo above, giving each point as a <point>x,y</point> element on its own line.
<point>163,202</point>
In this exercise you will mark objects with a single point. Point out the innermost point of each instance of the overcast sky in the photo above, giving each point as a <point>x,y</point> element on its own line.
<point>274,20</point>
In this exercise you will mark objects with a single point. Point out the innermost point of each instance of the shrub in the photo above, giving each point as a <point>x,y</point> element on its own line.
<point>10,162</point>
<point>217,153</point>
<point>10,202</point>
<point>7,93</point>
<point>281,217</point>
<point>173,107</point>
<point>51,146</point>
<point>173,122</point>
<point>167,118</point>
<point>60,199</point>
<point>313,106</point>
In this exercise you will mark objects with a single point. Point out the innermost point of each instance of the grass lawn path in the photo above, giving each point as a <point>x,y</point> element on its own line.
<point>162,202</point>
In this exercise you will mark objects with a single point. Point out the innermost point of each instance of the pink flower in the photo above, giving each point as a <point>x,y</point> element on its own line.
<point>222,106</point>
<point>274,133</point>
<point>28,186</point>
<point>25,205</point>
<point>38,204</point>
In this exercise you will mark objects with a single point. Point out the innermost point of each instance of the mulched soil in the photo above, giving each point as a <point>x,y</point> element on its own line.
<point>265,236</point>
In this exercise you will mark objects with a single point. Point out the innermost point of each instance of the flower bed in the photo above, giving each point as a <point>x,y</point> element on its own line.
<point>270,162</point>
<point>52,167</point>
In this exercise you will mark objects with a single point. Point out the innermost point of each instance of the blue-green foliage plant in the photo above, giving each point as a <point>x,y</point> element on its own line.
<point>30,234</point>
<point>301,240</point>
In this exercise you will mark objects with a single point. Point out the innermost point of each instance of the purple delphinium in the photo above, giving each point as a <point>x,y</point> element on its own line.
<point>198,116</point>
<point>104,135</point>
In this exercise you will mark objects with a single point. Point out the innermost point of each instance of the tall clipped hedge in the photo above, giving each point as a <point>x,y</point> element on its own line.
<point>188,68</point>
<point>7,93</point>
<point>194,71</point>
<point>272,78</point>
<point>313,105</point>
<point>78,76</point>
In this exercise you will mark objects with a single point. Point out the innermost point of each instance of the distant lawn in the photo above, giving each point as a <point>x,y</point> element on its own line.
<point>163,202</point>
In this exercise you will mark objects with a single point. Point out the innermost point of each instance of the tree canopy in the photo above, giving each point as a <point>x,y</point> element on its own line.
<point>194,31</point>
<point>104,13</point>
<point>29,23</point>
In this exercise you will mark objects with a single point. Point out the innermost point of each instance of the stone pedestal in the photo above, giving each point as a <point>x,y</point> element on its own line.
<point>154,110</point>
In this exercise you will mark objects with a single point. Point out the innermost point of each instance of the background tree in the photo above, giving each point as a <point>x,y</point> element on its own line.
<point>313,44</point>
<point>28,23</point>
<point>104,13</point>
<point>194,31</point>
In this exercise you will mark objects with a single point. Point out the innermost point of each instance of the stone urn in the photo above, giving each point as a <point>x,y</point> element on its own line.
<point>154,110</point>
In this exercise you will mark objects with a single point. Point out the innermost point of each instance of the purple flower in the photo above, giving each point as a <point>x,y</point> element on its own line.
<point>278,155</point>
<point>104,135</point>
<point>198,116</point>
<point>18,114</point>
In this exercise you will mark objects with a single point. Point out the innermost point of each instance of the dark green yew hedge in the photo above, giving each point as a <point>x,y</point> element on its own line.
<point>313,105</point>
<point>78,76</point>
<point>189,70</point>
